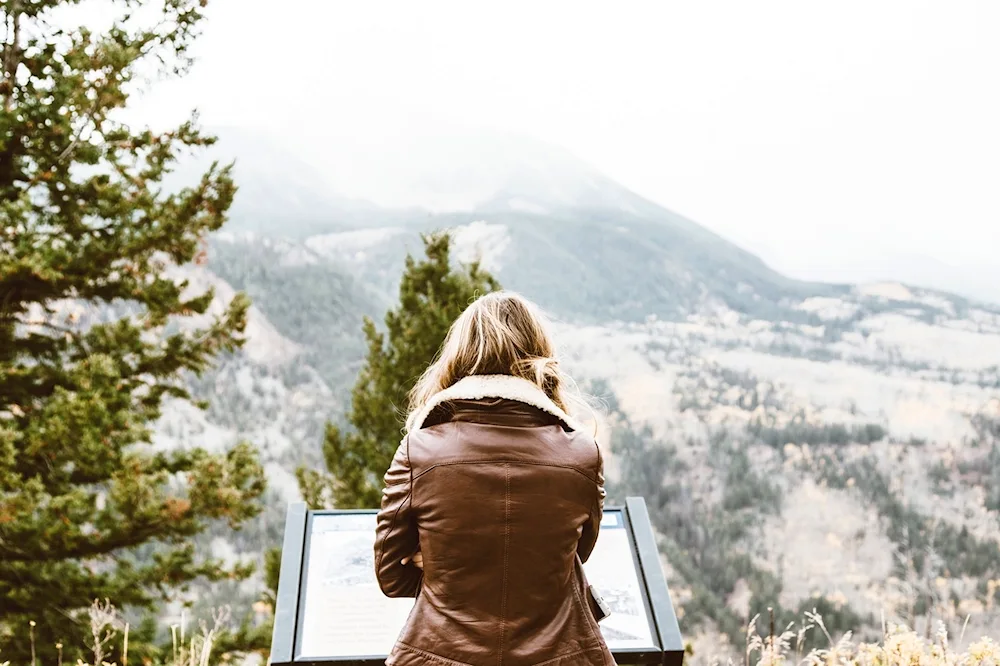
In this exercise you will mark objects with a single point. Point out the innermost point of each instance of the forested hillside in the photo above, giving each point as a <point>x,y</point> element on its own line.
<point>800,445</point>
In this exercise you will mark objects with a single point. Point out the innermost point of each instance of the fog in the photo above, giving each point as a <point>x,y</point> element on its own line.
<point>847,141</point>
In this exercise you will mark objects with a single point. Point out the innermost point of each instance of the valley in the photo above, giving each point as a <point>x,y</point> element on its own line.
<point>799,444</point>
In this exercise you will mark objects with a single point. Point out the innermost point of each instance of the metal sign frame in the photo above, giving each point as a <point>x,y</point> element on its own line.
<point>669,649</point>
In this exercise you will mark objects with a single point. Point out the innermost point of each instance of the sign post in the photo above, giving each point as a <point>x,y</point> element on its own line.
<point>330,610</point>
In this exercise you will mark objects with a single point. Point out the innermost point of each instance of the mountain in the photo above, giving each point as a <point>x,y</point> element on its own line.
<point>617,255</point>
<point>799,444</point>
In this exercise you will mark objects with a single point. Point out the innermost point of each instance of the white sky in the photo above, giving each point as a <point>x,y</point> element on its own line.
<point>836,140</point>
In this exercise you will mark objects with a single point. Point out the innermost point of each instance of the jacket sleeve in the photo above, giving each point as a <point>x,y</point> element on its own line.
<point>593,525</point>
<point>396,531</point>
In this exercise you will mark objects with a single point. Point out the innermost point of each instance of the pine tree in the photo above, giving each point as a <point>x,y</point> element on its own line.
<point>432,293</point>
<point>96,331</point>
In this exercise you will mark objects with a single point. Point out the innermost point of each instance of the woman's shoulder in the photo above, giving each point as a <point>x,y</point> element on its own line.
<point>471,437</point>
<point>586,442</point>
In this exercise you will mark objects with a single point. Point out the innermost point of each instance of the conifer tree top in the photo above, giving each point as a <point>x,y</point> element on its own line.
<point>432,293</point>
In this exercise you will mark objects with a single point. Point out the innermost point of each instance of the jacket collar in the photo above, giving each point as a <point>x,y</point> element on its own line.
<point>477,387</point>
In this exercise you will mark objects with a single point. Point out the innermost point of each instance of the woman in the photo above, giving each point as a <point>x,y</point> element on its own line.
<point>492,502</point>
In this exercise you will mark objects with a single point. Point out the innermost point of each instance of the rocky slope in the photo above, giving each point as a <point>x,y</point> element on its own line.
<point>859,456</point>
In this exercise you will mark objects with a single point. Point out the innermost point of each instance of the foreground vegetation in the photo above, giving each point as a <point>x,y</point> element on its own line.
<point>109,633</point>
<point>899,645</point>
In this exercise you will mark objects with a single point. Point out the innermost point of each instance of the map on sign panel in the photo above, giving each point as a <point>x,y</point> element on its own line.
<point>345,614</point>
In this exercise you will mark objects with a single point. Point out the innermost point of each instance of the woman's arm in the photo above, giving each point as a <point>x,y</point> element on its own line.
<point>396,531</point>
<point>593,525</point>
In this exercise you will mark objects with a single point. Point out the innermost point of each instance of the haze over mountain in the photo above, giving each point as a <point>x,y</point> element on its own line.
<point>972,280</point>
<point>823,445</point>
<point>615,253</point>
<point>326,179</point>
<point>812,138</point>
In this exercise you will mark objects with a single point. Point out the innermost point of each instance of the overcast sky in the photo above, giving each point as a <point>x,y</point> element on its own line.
<point>833,139</point>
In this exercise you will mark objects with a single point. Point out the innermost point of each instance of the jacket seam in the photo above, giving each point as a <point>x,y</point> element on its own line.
<point>506,560</point>
<point>554,660</point>
<point>503,461</point>
<point>430,655</point>
<point>409,467</point>
<point>395,514</point>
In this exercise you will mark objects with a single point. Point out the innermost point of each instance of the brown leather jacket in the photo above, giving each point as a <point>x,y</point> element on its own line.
<point>503,495</point>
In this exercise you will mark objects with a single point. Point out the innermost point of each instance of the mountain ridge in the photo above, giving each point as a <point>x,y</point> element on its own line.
<point>664,264</point>
<point>268,164</point>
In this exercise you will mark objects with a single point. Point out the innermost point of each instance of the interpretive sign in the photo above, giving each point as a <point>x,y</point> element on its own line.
<point>330,607</point>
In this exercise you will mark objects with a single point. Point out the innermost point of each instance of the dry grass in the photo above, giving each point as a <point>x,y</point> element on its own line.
<point>899,646</point>
<point>107,624</point>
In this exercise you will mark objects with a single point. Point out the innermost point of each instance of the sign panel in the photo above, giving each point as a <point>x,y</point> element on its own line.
<point>613,570</point>
<point>330,609</point>
<point>345,614</point>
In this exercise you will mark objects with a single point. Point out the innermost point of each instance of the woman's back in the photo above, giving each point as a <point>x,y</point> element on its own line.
<point>500,494</point>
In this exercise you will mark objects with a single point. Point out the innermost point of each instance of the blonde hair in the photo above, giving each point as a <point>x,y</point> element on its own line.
<point>500,333</point>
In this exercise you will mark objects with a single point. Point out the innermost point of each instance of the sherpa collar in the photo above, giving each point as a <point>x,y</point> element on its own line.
<point>477,387</point>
